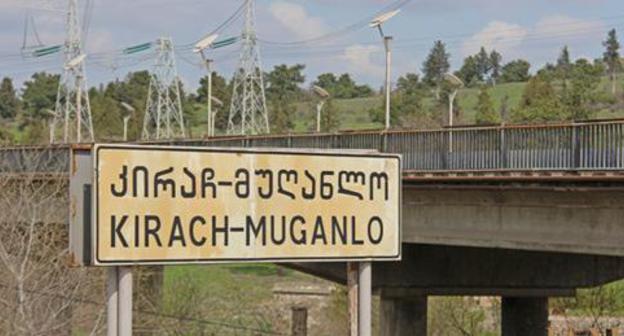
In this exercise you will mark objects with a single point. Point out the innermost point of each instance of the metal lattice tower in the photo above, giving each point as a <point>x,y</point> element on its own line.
<point>72,114</point>
<point>163,115</point>
<point>248,111</point>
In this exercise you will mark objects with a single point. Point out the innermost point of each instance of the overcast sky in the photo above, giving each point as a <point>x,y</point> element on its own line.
<point>531,29</point>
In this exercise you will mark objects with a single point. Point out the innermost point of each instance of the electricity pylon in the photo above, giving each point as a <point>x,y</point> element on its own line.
<point>248,111</point>
<point>163,115</point>
<point>73,110</point>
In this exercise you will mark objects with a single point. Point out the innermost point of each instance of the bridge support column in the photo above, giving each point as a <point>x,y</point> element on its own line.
<point>403,316</point>
<point>524,316</point>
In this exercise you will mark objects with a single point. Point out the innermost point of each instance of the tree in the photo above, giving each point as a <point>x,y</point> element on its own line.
<point>516,71</point>
<point>486,114</point>
<point>133,91</point>
<point>343,87</point>
<point>38,98</point>
<point>407,104</point>
<point>409,83</point>
<point>495,65</point>
<point>107,115</point>
<point>220,90</point>
<point>436,65</point>
<point>282,91</point>
<point>9,102</point>
<point>327,81</point>
<point>39,294</point>
<point>564,64</point>
<point>483,64</point>
<point>39,95</point>
<point>582,92</point>
<point>611,57</point>
<point>539,103</point>
<point>469,72</point>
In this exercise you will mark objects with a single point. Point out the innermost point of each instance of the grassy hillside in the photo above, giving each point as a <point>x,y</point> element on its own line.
<point>354,113</point>
<point>234,295</point>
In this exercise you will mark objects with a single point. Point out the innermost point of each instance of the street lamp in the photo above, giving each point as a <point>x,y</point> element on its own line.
<point>202,45</point>
<point>324,95</point>
<point>52,124</point>
<point>126,118</point>
<point>377,23</point>
<point>456,85</point>
<point>211,126</point>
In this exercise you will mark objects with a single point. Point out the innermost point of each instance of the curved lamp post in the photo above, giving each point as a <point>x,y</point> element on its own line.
<point>200,47</point>
<point>377,23</point>
<point>324,95</point>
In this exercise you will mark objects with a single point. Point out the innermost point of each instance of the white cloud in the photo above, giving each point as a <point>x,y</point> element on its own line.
<point>358,60</point>
<point>539,43</point>
<point>499,35</point>
<point>296,19</point>
<point>564,27</point>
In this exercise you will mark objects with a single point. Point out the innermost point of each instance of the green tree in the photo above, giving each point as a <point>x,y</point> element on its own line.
<point>133,91</point>
<point>486,114</point>
<point>436,65</point>
<point>9,102</point>
<point>39,95</point>
<point>469,72</point>
<point>611,57</point>
<point>539,103</point>
<point>483,64</point>
<point>38,98</point>
<point>107,115</point>
<point>564,65</point>
<point>342,87</point>
<point>582,92</point>
<point>409,83</point>
<point>407,108</point>
<point>282,91</point>
<point>220,90</point>
<point>327,81</point>
<point>516,71</point>
<point>495,63</point>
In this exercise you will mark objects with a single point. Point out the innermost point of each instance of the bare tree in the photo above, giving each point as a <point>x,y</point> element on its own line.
<point>37,290</point>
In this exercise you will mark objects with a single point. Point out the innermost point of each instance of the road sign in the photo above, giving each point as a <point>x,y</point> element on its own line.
<point>163,205</point>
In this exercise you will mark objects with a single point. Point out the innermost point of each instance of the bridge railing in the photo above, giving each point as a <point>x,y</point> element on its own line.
<point>595,145</point>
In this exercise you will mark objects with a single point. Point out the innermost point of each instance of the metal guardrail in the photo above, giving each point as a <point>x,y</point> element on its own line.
<point>579,146</point>
<point>597,145</point>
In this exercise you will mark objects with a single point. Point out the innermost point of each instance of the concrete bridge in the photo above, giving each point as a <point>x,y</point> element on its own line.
<point>521,212</point>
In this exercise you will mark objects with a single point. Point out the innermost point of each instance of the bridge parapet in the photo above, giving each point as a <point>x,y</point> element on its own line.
<point>587,146</point>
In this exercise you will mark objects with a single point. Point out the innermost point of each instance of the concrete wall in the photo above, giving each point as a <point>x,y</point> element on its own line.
<point>557,219</point>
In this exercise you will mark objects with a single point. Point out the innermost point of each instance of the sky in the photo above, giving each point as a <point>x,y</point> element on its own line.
<point>534,30</point>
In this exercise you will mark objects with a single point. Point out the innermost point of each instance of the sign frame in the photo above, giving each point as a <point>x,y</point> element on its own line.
<point>95,252</point>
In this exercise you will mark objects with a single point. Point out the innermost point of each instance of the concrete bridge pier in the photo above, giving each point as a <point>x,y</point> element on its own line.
<point>524,316</point>
<point>402,316</point>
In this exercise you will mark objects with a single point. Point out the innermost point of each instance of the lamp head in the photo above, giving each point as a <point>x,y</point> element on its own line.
<point>379,20</point>
<point>319,91</point>
<point>206,42</point>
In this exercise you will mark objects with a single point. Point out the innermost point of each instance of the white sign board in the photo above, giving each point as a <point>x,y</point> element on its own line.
<point>168,205</point>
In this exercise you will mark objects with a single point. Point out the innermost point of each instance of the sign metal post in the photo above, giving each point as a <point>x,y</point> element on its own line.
<point>124,316</point>
<point>353,293</point>
<point>365,299</point>
<point>112,299</point>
